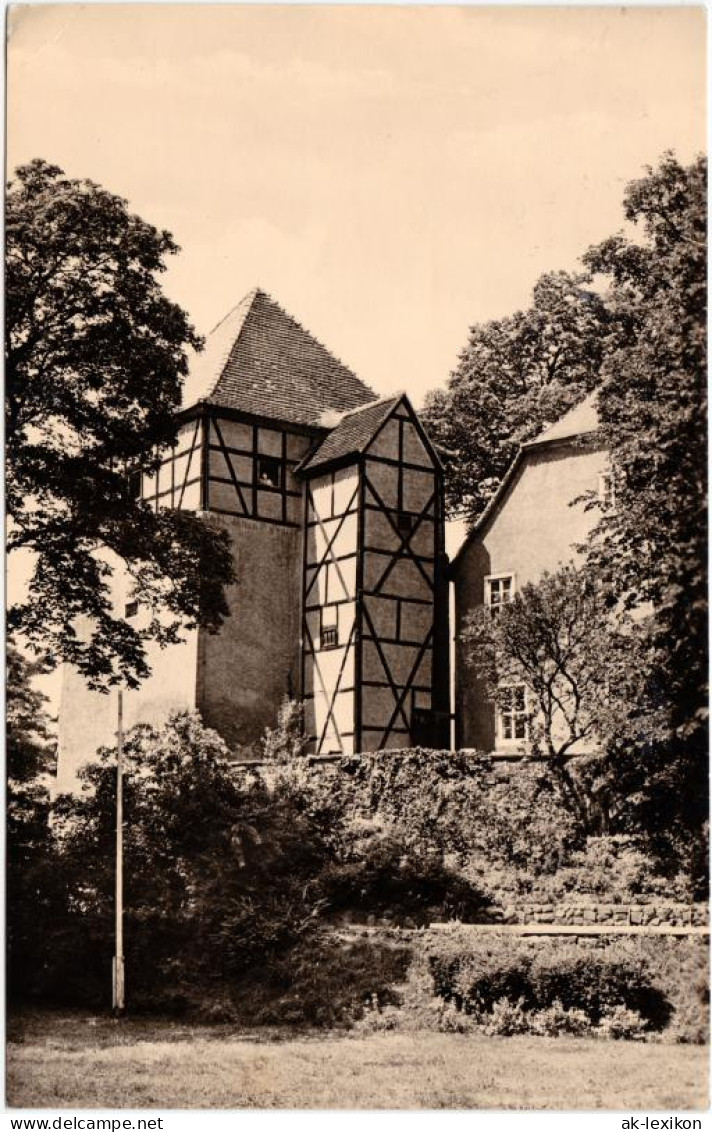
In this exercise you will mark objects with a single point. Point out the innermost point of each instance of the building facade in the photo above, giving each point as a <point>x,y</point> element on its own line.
<point>333,499</point>
<point>533,524</point>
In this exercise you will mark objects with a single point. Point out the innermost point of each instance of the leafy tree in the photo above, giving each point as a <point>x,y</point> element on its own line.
<point>94,358</point>
<point>286,741</point>
<point>30,755</point>
<point>650,549</point>
<point>583,669</point>
<point>515,376</point>
<point>220,871</point>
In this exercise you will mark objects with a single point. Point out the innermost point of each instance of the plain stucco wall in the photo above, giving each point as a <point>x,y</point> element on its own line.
<point>534,528</point>
<point>248,667</point>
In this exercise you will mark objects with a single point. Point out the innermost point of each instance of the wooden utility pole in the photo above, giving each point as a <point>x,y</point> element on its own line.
<point>118,966</point>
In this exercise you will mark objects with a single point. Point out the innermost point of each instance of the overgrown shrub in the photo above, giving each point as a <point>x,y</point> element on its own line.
<point>384,877</point>
<point>620,1022</point>
<point>221,874</point>
<point>447,801</point>
<point>501,969</point>
<point>614,869</point>
<point>519,980</point>
<point>322,981</point>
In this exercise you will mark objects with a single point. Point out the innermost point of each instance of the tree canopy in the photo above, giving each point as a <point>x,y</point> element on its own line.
<point>95,354</point>
<point>515,376</point>
<point>586,674</point>
<point>651,548</point>
<point>634,328</point>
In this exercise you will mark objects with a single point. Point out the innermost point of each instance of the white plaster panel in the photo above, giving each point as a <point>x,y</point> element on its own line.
<point>344,711</point>
<point>342,534</point>
<point>342,580</point>
<point>191,498</point>
<point>185,438</point>
<point>345,485</point>
<point>320,498</point>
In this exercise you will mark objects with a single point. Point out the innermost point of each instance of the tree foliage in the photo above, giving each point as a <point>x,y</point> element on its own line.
<point>231,884</point>
<point>516,375</point>
<point>94,359</point>
<point>650,550</point>
<point>586,673</point>
<point>220,872</point>
<point>30,756</point>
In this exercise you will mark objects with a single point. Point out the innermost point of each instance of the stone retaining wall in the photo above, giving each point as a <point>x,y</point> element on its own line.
<point>576,913</point>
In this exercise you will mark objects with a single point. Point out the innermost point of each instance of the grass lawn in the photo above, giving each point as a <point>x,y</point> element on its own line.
<point>79,1061</point>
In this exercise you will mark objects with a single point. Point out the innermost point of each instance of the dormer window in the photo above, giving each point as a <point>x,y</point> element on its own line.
<point>131,609</point>
<point>269,471</point>
<point>499,590</point>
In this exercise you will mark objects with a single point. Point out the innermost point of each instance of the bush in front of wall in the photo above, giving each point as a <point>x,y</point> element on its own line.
<point>386,878</point>
<point>451,802</point>
<point>495,969</point>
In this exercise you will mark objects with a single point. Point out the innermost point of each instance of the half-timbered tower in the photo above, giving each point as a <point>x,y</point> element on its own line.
<point>333,500</point>
<point>375,654</point>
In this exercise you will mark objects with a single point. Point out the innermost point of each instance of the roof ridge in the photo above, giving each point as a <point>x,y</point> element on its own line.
<point>370,404</point>
<point>251,295</point>
<point>589,400</point>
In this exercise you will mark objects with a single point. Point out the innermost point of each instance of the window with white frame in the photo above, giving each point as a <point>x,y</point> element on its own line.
<point>606,491</point>
<point>329,627</point>
<point>499,589</point>
<point>512,714</point>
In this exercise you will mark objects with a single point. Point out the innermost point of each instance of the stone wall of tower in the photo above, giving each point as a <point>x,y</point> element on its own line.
<point>246,669</point>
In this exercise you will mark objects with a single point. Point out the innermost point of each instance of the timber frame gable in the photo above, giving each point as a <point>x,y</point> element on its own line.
<point>389,686</point>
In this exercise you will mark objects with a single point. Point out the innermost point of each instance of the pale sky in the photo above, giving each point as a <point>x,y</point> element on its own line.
<point>390,175</point>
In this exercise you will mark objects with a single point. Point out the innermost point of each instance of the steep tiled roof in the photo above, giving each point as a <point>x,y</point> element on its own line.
<point>261,361</point>
<point>581,419</point>
<point>352,434</point>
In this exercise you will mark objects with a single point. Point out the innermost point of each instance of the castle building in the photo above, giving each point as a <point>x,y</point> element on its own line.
<point>532,524</point>
<point>333,499</point>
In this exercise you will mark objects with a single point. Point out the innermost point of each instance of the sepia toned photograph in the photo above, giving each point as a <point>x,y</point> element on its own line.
<point>356,558</point>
